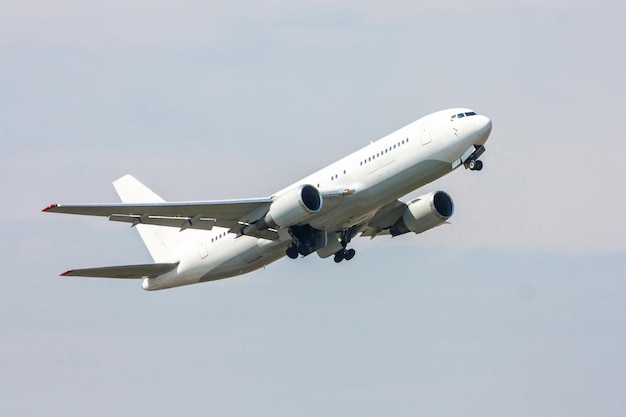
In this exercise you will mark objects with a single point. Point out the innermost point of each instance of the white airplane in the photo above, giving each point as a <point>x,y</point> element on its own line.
<point>321,213</point>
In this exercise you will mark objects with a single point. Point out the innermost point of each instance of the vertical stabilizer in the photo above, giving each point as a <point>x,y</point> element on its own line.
<point>161,241</point>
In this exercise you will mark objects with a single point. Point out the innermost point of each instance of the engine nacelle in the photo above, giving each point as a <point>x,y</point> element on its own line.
<point>292,207</point>
<point>424,213</point>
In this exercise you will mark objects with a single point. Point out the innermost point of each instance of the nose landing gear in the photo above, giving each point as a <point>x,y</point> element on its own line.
<point>475,165</point>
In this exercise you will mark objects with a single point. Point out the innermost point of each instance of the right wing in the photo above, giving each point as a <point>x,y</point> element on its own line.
<point>123,271</point>
<point>383,219</point>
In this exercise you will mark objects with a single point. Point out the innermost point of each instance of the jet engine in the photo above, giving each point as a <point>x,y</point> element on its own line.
<point>292,207</point>
<point>424,213</point>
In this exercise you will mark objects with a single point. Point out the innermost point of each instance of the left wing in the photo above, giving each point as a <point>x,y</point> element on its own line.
<point>193,215</point>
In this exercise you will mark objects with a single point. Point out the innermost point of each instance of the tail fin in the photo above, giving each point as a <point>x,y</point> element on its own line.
<point>160,241</point>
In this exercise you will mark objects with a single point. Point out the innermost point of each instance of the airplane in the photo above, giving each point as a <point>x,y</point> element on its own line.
<point>199,241</point>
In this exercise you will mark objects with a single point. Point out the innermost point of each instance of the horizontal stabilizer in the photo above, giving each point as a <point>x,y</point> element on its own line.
<point>123,271</point>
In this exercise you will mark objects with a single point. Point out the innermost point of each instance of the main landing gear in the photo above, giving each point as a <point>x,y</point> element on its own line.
<point>292,252</point>
<point>346,237</point>
<point>475,165</point>
<point>346,254</point>
<point>306,240</point>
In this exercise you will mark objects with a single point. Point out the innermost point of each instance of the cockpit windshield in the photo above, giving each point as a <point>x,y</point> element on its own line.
<point>461,115</point>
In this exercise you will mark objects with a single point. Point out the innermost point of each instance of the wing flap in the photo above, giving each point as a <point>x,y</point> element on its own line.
<point>123,271</point>
<point>180,222</point>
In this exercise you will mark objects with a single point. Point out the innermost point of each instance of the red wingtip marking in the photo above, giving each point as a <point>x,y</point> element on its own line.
<point>51,206</point>
<point>65,273</point>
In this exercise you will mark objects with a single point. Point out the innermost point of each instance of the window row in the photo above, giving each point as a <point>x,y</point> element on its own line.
<point>384,151</point>
<point>221,235</point>
<point>334,177</point>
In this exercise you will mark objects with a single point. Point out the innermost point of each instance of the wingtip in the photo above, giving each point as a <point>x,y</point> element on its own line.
<point>49,207</point>
<point>65,273</point>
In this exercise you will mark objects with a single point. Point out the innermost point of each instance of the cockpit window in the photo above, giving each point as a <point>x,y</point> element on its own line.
<point>461,115</point>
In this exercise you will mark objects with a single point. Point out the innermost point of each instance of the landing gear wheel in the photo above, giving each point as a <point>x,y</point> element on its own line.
<point>339,256</point>
<point>292,252</point>
<point>349,254</point>
<point>475,165</point>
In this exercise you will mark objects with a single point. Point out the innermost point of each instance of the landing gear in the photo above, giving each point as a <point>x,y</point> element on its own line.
<point>346,254</point>
<point>346,237</point>
<point>471,161</point>
<point>292,252</point>
<point>475,165</point>
<point>306,240</point>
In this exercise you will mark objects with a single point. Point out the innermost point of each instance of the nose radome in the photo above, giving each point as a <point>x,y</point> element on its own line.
<point>482,124</point>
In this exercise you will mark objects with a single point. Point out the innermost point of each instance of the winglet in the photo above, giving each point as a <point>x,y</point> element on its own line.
<point>49,207</point>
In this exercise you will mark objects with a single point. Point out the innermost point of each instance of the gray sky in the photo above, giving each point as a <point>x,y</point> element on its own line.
<point>516,308</point>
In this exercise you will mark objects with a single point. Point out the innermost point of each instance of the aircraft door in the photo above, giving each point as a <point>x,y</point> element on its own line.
<point>425,134</point>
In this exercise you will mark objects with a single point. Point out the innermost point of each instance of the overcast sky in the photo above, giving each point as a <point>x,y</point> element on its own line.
<point>515,308</point>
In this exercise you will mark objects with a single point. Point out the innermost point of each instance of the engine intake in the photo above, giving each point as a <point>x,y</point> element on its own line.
<point>424,213</point>
<point>292,207</point>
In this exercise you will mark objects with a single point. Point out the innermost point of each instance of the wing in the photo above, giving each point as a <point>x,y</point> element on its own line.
<point>193,215</point>
<point>382,219</point>
<point>123,271</point>
<point>141,206</point>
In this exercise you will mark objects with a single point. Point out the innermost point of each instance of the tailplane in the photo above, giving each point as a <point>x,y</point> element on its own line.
<point>123,271</point>
<point>160,241</point>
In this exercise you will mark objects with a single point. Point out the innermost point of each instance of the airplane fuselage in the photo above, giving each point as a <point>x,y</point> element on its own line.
<point>372,177</point>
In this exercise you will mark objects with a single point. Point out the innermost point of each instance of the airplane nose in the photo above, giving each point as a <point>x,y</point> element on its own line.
<point>482,125</point>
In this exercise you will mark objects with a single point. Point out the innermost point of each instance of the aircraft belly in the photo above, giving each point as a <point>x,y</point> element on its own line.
<point>251,255</point>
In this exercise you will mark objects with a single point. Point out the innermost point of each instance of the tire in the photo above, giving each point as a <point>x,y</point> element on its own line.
<point>292,252</point>
<point>339,256</point>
